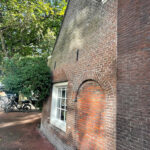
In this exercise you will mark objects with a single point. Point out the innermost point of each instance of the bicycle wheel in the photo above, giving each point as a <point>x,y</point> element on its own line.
<point>27,107</point>
<point>8,108</point>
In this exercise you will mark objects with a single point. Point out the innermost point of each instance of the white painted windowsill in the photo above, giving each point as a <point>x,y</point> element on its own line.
<point>59,124</point>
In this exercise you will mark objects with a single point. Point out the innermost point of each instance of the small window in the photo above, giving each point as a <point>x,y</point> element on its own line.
<point>59,107</point>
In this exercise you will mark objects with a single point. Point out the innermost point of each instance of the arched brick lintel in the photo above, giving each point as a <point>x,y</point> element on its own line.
<point>103,82</point>
<point>77,92</point>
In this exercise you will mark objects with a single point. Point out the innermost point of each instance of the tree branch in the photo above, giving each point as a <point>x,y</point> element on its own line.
<point>3,43</point>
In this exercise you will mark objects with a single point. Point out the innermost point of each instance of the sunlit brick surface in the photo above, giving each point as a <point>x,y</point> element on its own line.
<point>91,111</point>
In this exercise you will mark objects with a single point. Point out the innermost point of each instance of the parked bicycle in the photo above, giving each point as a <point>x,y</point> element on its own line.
<point>13,105</point>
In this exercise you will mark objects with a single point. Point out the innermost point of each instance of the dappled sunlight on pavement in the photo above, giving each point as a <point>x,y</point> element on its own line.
<point>30,120</point>
<point>18,131</point>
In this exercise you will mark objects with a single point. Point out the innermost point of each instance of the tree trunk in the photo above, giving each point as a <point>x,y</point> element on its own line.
<point>3,43</point>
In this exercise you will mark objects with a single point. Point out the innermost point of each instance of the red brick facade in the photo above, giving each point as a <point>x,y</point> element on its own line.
<point>85,56</point>
<point>133,92</point>
<point>103,53</point>
<point>90,116</point>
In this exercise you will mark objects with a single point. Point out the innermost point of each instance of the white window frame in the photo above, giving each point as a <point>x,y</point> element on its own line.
<point>54,120</point>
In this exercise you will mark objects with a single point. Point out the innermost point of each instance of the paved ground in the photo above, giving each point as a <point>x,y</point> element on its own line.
<point>18,131</point>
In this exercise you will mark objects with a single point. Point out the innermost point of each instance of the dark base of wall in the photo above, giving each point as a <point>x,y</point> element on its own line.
<point>53,139</point>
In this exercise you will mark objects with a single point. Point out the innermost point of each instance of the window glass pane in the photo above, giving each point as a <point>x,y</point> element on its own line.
<point>59,102</point>
<point>63,115</point>
<point>63,93</point>
<point>63,103</point>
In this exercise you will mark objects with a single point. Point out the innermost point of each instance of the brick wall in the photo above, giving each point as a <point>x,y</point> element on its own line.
<point>133,89</point>
<point>90,116</point>
<point>89,27</point>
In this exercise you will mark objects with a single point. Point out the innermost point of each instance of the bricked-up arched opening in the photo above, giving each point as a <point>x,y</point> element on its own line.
<point>90,116</point>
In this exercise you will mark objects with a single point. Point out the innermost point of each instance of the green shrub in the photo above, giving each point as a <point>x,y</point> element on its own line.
<point>28,75</point>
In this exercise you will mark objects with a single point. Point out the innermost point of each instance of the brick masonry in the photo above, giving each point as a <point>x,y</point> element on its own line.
<point>112,40</point>
<point>133,86</point>
<point>89,27</point>
<point>90,116</point>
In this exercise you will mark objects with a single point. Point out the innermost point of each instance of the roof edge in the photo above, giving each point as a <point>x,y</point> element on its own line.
<point>60,27</point>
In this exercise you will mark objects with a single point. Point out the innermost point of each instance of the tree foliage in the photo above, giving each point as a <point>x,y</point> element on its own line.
<point>29,27</point>
<point>28,30</point>
<point>28,75</point>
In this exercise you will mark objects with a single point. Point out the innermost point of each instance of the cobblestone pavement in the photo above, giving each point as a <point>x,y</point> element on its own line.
<point>19,131</point>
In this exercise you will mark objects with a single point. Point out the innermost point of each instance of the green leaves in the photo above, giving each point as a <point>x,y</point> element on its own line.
<point>27,74</point>
<point>27,23</point>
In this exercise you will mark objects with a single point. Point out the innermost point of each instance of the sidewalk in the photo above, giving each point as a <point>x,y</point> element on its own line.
<point>18,131</point>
